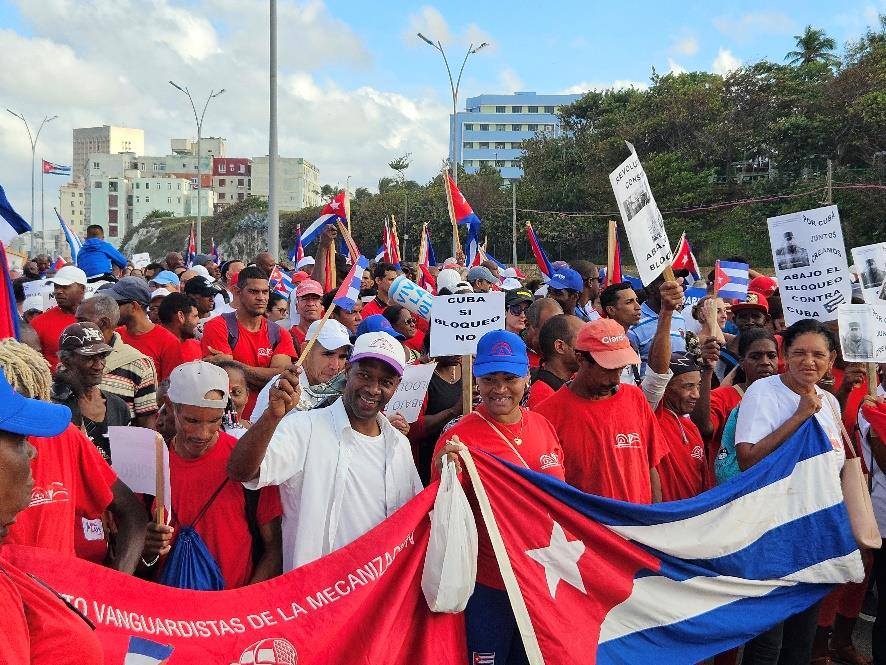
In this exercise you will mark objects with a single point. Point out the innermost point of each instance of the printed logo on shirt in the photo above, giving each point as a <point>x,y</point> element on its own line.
<point>549,460</point>
<point>698,453</point>
<point>269,651</point>
<point>93,529</point>
<point>630,440</point>
<point>483,658</point>
<point>55,492</point>
<point>265,352</point>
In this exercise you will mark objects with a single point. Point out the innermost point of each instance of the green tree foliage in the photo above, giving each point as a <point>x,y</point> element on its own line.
<point>813,46</point>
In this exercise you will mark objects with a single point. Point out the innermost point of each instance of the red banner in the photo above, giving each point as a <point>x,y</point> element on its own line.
<point>361,604</point>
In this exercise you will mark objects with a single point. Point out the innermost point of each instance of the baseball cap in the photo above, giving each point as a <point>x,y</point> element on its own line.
<point>378,323</point>
<point>763,284</point>
<point>160,293</point>
<point>32,302</point>
<point>85,338</point>
<point>130,289</point>
<point>566,278</point>
<point>447,279</point>
<point>607,342</point>
<point>30,417</point>
<point>517,296</point>
<point>201,286</point>
<point>501,351</point>
<point>510,283</point>
<point>201,271</point>
<point>166,277</point>
<point>379,346</point>
<point>68,275</point>
<point>305,261</point>
<point>333,335</point>
<point>481,272</point>
<point>513,272</point>
<point>309,287</point>
<point>682,363</point>
<point>191,382</point>
<point>754,301</point>
<point>462,287</point>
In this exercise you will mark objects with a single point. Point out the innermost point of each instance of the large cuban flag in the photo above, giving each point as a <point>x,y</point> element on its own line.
<point>593,580</point>
<point>332,211</point>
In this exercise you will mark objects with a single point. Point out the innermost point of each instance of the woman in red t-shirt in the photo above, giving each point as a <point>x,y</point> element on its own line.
<point>500,426</point>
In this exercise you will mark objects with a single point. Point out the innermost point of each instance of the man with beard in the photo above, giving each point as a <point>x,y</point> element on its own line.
<point>559,363</point>
<point>179,314</point>
<point>345,462</point>
<point>69,289</point>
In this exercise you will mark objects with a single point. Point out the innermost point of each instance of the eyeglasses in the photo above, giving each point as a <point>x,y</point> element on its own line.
<point>409,322</point>
<point>517,310</point>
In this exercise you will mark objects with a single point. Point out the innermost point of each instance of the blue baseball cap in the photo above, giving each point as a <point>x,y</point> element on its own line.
<point>166,277</point>
<point>566,278</point>
<point>378,323</point>
<point>501,351</point>
<point>30,417</point>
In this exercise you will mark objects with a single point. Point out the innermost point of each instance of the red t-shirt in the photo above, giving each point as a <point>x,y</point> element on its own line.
<point>540,451</point>
<point>49,326</point>
<point>683,471</point>
<point>189,351</point>
<point>223,527</point>
<point>610,444</point>
<point>534,358</point>
<point>372,307</point>
<point>539,391</point>
<point>252,348</point>
<point>70,477</point>
<point>723,400</point>
<point>158,344</point>
<point>298,338</point>
<point>38,627</point>
<point>416,341</point>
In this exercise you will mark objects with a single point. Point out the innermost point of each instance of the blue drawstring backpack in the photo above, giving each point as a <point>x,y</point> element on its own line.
<point>190,565</point>
<point>726,464</point>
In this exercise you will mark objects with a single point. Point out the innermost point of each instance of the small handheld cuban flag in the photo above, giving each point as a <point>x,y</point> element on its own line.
<point>146,652</point>
<point>464,216</point>
<point>332,211</point>
<point>280,282</point>
<point>684,259</point>
<point>191,248</point>
<point>297,253</point>
<point>731,280</point>
<point>349,291</point>
<point>541,259</point>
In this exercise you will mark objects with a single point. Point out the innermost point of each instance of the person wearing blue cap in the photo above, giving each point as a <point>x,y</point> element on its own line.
<point>566,286</point>
<point>165,279</point>
<point>35,619</point>
<point>501,427</point>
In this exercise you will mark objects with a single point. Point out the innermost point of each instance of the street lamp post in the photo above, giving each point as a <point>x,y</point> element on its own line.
<point>453,86</point>
<point>198,119</point>
<point>33,140</point>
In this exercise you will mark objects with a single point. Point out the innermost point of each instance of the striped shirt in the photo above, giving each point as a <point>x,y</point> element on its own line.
<point>642,333</point>
<point>131,375</point>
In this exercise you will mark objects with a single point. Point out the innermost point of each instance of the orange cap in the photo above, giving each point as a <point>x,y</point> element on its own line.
<point>608,344</point>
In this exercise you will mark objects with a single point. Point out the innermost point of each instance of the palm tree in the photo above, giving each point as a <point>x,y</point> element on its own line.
<point>813,46</point>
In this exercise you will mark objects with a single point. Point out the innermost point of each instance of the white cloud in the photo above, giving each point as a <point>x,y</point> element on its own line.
<point>748,26</point>
<point>618,84</point>
<point>509,81</point>
<point>431,23</point>
<point>675,68</point>
<point>725,62</point>
<point>686,44</point>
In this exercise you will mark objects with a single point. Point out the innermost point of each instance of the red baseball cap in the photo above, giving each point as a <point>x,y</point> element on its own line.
<point>763,284</point>
<point>755,300</point>
<point>308,287</point>
<point>608,344</point>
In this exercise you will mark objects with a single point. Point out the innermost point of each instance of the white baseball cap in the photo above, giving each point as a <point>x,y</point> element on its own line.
<point>380,346</point>
<point>510,283</point>
<point>306,261</point>
<point>68,275</point>
<point>202,271</point>
<point>159,293</point>
<point>333,335</point>
<point>33,302</point>
<point>447,279</point>
<point>191,382</point>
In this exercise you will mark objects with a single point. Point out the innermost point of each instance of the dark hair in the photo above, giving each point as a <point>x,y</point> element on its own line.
<point>155,266</point>
<point>274,298</point>
<point>251,272</point>
<point>609,295</point>
<point>231,364</point>
<point>94,230</point>
<point>790,334</point>
<point>381,268</point>
<point>584,268</point>
<point>556,327</point>
<point>392,314</point>
<point>173,304</point>
<point>751,335</point>
<point>226,266</point>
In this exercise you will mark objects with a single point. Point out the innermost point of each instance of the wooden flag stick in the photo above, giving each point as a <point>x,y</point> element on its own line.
<point>304,353</point>
<point>160,483</point>
<point>452,220</point>
<point>872,378</point>
<point>467,384</point>
<point>610,258</point>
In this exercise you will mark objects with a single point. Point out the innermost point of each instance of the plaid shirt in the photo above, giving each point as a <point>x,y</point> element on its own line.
<point>135,382</point>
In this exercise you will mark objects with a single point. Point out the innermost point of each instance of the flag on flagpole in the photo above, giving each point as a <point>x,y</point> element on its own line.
<point>214,253</point>
<point>379,254</point>
<point>464,216</point>
<point>13,224</point>
<point>541,259</point>
<point>350,247</point>
<point>9,318</point>
<point>426,259</point>
<point>297,253</point>
<point>389,241</point>
<point>55,169</point>
<point>146,652</point>
<point>349,291</point>
<point>191,248</point>
<point>731,280</point>
<point>73,241</point>
<point>684,259</point>
<point>332,211</point>
<point>617,277</point>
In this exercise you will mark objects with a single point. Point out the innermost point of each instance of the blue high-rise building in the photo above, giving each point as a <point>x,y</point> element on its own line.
<point>492,128</point>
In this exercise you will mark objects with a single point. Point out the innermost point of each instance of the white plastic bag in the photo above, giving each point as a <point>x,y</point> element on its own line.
<point>450,568</point>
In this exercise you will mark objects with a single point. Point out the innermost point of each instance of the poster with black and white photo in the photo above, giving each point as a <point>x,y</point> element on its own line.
<point>810,263</point>
<point>870,264</point>
<point>863,332</point>
<point>643,222</point>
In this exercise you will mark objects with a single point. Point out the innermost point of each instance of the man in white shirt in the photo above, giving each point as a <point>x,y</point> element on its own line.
<point>341,469</point>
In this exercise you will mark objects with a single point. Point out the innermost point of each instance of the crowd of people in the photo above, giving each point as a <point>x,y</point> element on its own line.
<point>620,392</point>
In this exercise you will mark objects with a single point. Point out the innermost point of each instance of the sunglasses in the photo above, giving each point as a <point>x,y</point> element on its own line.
<point>409,322</point>
<point>517,310</point>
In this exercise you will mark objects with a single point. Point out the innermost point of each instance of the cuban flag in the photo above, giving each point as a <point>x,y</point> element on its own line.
<point>146,652</point>
<point>332,211</point>
<point>13,224</point>
<point>213,252</point>
<point>731,280</point>
<point>55,169</point>
<point>191,248</point>
<point>426,258</point>
<point>464,216</point>
<point>73,241</point>
<point>594,580</point>
<point>379,254</point>
<point>59,264</point>
<point>684,259</point>
<point>541,259</point>
<point>280,281</point>
<point>349,291</point>
<point>391,246</point>
<point>297,253</point>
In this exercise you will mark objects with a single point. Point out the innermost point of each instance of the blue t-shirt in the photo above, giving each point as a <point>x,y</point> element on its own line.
<point>642,333</point>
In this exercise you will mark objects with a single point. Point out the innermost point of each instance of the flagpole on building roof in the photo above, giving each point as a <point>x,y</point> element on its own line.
<point>273,203</point>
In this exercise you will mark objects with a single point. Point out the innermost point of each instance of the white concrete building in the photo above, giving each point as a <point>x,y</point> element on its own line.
<point>72,206</point>
<point>299,185</point>
<point>108,140</point>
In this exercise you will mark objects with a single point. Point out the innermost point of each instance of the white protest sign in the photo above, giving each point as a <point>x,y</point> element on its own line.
<point>49,293</point>
<point>863,332</point>
<point>36,287</point>
<point>810,263</point>
<point>417,300</point>
<point>870,264</point>
<point>459,321</point>
<point>643,222</point>
<point>141,260</point>
<point>410,394</point>
<point>134,453</point>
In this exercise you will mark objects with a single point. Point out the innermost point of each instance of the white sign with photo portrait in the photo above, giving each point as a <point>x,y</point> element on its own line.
<point>863,332</point>
<point>810,263</point>
<point>870,264</point>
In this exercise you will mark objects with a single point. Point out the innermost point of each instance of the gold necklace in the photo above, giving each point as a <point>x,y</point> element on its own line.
<point>518,440</point>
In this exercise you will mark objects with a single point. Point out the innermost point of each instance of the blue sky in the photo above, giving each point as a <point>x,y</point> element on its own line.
<point>357,88</point>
